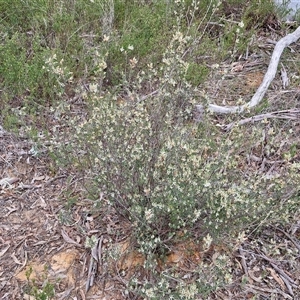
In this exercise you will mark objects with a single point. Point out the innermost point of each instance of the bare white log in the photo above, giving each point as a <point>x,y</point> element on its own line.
<point>268,78</point>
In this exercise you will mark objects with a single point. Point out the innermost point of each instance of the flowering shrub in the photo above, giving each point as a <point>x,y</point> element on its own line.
<point>158,168</point>
<point>164,172</point>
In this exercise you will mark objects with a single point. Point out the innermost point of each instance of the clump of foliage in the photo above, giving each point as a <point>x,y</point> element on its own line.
<point>46,292</point>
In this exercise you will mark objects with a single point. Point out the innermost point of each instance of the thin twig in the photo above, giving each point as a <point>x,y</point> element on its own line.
<point>278,270</point>
<point>243,260</point>
<point>274,266</point>
<point>262,289</point>
<point>287,285</point>
<point>148,96</point>
<point>290,237</point>
<point>290,114</point>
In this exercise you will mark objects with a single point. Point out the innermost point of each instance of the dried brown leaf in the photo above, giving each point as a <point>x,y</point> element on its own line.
<point>277,278</point>
<point>15,259</point>
<point>68,239</point>
<point>2,252</point>
<point>284,77</point>
<point>252,276</point>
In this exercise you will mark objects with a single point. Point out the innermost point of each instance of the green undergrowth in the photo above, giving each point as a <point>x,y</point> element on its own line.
<point>50,49</point>
<point>45,292</point>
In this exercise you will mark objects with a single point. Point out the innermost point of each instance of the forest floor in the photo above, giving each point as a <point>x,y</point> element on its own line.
<point>42,242</point>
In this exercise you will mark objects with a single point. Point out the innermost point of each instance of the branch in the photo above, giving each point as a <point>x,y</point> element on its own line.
<point>268,78</point>
<point>291,114</point>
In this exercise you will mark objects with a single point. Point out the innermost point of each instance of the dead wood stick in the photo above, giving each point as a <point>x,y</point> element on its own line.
<point>287,284</point>
<point>91,274</point>
<point>291,114</point>
<point>267,290</point>
<point>289,236</point>
<point>243,260</point>
<point>278,270</point>
<point>275,267</point>
<point>268,78</point>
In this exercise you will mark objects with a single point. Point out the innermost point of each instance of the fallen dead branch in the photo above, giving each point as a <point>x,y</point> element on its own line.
<point>280,271</point>
<point>243,260</point>
<point>286,278</point>
<point>290,237</point>
<point>291,114</point>
<point>268,78</point>
<point>268,290</point>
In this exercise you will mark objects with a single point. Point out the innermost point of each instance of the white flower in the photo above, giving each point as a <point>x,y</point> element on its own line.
<point>215,66</point>
<point>102,65</point>
<point>207,242</point>
<point>133,62</point>
<point>207,184</point>
<point>93,87</point>
<point>130,47</point>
